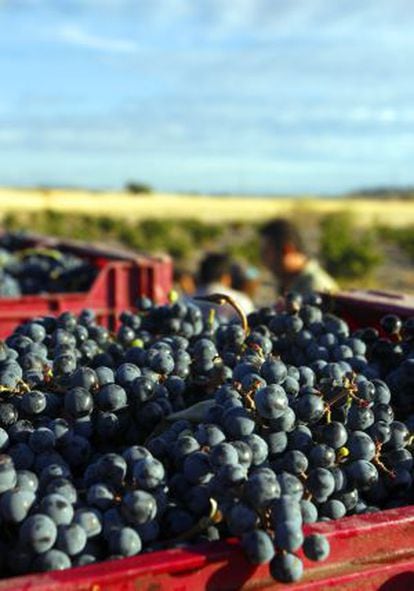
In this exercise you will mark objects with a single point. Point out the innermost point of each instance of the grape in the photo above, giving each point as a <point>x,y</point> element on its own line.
<point>162,363</point>
<point>362,473</point>
<point>290,485</point>
<point>38,532</point>
<point>222,454</point>
<point>84,559</point>
<point>41,439</point>
<point>90,520</point>
<point>286,421</point>
<point>71,539</point>
<point>334,434</point>
<point>53,471</point>
<point>63,487</point>
<point>241,519</point>
<point>8,476</point>
<point>261,489</point>
<point>244,452</point>
<point>78,402</point>
<point>76,451</point>
<point>148,532</point>
<point>322,455</point>
<point>334,509</point>
<point>51,560</point>
<point>289,536</point>
<point>360,418</point>
<point>309,511</point>
<point>274,371</point>
<point>27,480</point>
<point>237,422</point>
<point>310,408</point>
<point>33,402</point>
<point>104,375</point>
<point>8,413</point>
<point>382,392</point>
<point>197,499</point>
<point>259,448</point>
<point>58,508</point>
<point>258,546</point>
<point>178,521</point>
<point>148,473</point>
<point>399,435</point>
<point>400,459</point>
<point>271,401</point>
<point>230,475</point>
<point>286,508</point>
<point>295,462</point>
<point>19,432</point>
<point>124,541</point>
<point>277,442</point>
<point>286,568</point>
<point>197,467</point>
<point>126,373</point>
<point>209,435</point>
<point>101,496</point>
<point>321,484</point>
<point>360,446</point>
<point>384,413</point>
<point>85,377</point>
<point>316,547</point>
<point>111,397</point>
<point>16,504</point>
<point>135,453</point>
<point>112,469</point>
<point>21,457</point>
<point>138,507</point>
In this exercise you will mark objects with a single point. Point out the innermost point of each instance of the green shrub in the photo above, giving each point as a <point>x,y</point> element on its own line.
<point>402,237</point>
<point>137,188</point>
<point>347,251</point>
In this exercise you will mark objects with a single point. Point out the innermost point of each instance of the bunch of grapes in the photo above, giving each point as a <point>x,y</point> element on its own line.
<point>179,429</point>
<point>41,270</point>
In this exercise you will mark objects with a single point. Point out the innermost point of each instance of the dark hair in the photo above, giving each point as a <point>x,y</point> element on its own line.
<point>213,266</point>
<point>241,274</point>
<point>281,232</point>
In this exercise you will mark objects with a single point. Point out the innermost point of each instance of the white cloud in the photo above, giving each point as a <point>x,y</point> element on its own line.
<point>78,37</point>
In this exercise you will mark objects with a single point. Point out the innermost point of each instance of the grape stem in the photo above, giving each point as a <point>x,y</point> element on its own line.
<point>377,460</point>
<point>221,299</point>
<point>20,389</point>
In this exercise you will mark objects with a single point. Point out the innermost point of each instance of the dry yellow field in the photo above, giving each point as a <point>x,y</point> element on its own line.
<point>205,208</point>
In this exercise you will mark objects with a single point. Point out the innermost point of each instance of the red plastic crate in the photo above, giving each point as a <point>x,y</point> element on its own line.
<point>122,276</point>
<point>373,552</point>
<point>368,552</point>
<point>366,307</point>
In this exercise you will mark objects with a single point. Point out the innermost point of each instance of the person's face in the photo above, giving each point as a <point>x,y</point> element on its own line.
<point>272,258</point>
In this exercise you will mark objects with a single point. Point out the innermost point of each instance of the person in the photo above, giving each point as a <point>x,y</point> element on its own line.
<point>184,281</point>
<point>214,276</point>
<point>245,278</point>
<point>284,254</point>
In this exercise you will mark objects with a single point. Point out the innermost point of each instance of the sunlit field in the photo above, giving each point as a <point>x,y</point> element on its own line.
<point>204,208</point>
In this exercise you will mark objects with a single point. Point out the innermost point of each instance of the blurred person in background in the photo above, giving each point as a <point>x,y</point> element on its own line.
<point>245,278</point>
<point>184,281</point>
<point>214,276</point>
<point>284,254</point>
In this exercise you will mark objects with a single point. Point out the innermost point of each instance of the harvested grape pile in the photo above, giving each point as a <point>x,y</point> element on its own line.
<point>178,430</point>
<point>40,270</point>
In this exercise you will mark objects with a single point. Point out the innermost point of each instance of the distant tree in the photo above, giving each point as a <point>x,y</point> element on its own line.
<point>348,252</point>
<point>136,188</point>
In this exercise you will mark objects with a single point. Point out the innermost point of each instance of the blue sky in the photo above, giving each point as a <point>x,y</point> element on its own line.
<point>250,96</point>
